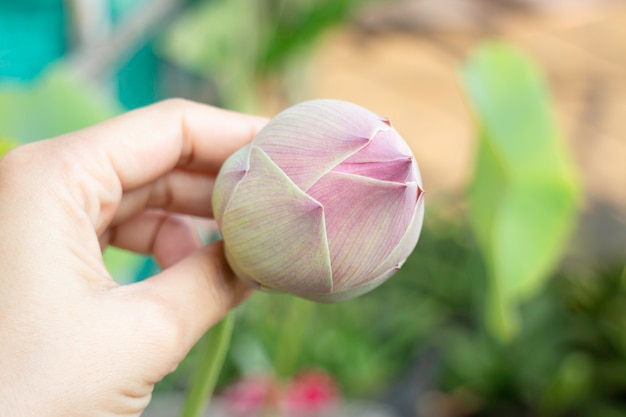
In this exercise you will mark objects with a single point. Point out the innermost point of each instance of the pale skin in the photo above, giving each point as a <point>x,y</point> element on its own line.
<point>73,341</point>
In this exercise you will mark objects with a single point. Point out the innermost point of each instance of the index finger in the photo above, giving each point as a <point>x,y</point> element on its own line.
<point>144,144</point>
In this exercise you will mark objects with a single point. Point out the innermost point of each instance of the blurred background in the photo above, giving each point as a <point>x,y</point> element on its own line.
<point>514,301</point>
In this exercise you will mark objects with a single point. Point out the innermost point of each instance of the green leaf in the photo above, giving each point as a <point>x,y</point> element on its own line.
<point>525,194</point>
<point>57,103</point>
<point>297,25</point>
<point>530,229</point>
<point>569,384</point>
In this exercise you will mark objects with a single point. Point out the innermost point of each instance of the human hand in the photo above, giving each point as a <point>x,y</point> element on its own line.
<point>73,342</point>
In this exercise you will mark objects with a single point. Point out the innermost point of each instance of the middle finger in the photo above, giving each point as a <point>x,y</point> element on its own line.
<point>180,191</point>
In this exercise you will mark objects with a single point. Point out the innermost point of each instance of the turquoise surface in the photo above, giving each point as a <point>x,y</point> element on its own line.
<point>33,33</point>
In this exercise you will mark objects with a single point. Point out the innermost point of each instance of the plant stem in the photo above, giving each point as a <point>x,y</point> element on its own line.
<point>209,367</point>
<point>289,346</point>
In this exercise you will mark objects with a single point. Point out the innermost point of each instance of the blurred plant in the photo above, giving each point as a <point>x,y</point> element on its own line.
<point>56,103</point>
<point>564,362</point>
<point>209,367</point>
<point>244,44</point>
<point>525,195</point>
<point>218,40</point>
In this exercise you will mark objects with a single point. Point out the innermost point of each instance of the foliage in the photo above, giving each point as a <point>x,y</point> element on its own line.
<point>260,35</point>
<point>524,196</point>
<point>239,42</point>
<point>58,102</point>
<point>564,362</point>
<point>295,25</point>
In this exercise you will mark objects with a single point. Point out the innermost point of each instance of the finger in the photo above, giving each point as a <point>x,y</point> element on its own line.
<point>146,143</point>
<point>168,237</point>
<point>137,148</point>
<point>196,293</point>
<point>180,191</point>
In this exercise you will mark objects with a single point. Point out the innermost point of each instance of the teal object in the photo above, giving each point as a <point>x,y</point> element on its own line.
<point>148,268</point>
<point>33,33</point>
<point>138,80</point>
<point>120,9</point>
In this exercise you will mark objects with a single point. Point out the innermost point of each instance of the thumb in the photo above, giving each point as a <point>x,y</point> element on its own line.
<point>196,293</point>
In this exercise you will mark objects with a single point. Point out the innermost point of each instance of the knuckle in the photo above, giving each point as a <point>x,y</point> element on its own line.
<point>175,103</point>
<point>20,166</point>
<point>17,158</point>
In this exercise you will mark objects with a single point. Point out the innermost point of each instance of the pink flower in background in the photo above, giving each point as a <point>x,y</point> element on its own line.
<point>311,394</point>
<point>326,203</point>
<point>251,396</point>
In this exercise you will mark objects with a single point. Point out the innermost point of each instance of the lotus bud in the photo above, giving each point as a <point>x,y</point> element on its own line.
<point>326,203</point>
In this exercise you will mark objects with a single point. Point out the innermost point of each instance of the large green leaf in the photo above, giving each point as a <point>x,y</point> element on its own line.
<point>525,194</point>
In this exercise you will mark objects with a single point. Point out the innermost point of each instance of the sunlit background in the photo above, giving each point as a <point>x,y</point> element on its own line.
<point>514,301</point>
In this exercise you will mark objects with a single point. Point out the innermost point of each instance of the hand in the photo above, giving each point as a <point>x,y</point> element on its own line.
<point>73,342</point>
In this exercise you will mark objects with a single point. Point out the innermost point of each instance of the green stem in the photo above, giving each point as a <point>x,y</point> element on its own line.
<point>209,367</point>
<point>293,334</point>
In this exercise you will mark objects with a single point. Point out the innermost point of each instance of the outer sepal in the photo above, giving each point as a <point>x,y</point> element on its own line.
<point>308,140</point>
<point>231,173</point>
<point>274,233</point>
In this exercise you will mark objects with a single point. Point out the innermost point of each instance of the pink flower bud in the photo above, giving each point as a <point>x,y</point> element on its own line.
<point>326,202</point>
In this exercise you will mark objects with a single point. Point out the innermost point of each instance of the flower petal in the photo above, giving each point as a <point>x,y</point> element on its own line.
<point>348,293</point>
<point>386,145</point>
<point>365,221</point>
<point>388,267</point>
<point>232,171</point>
<point>415,176</point>
<point>396,170</point>
<point>274,233</point>
<point>406,245</point>
<point>309,139</point>
<point>387,157</point>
